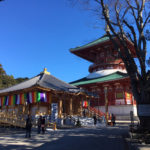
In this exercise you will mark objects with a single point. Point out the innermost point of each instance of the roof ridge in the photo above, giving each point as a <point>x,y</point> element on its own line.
<point>60,80</point>
<point>92,43</point>
<point>41,77</point>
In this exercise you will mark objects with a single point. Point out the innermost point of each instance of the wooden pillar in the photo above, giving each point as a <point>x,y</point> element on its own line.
<point>60,108</point>
<point>80,108</point>
<point>106,103</point>
<point>49,102</point>
<point>124,94</point>
<point>70,106</point>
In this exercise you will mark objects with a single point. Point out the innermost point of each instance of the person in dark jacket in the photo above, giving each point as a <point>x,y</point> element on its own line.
<point>113,119</point>
<point>95,120</point>
<point>28,126</point>
<point>43,125</point>
<point>39,124</point>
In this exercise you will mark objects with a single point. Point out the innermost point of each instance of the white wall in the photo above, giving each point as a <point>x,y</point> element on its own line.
<point>119,109</point>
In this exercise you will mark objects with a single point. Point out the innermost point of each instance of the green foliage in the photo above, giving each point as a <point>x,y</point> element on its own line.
<point>19,80</point>
<point>8,80</point>
<point>2,71</point>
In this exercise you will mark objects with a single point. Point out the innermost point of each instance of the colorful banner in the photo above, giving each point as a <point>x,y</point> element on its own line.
<point>6,101</point>
<point>3,101</point>
<point>31,97</point>
<point>22,99</point>
<point>128,98</point>
<point>128,95</point>
<point>85,104</point>
<point>0,102</point>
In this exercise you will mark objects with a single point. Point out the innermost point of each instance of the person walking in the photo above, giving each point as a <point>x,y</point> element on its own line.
<point>39,124</point>
<point>28,126</point>
<point>43,125</point>
<point>113,119</point>
<point>84,113</point>
<point>95,120</point>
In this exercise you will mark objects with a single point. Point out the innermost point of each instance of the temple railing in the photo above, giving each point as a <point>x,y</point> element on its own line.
<point>95,111</point>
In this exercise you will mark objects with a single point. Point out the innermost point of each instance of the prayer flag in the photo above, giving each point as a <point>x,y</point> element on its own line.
<point>42,97</point>
<point>18,99</point>
<point>30,97</point>
<point>14,99</point>
<point>3,101</point>
<point>22,98</point>
<point>35,96</point>
<point>10,100</point>
<point>38,96</point>
<point>0,102</point>
<point>45,97</point>
<point>7,100</point>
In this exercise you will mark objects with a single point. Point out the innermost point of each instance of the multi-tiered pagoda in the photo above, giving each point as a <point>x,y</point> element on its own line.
<point>107,76</point>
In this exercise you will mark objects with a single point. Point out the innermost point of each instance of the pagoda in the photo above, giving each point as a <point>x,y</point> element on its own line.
<point>107,77</point>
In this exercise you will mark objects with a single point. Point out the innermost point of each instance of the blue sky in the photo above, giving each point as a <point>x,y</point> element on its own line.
<point>39,33</point>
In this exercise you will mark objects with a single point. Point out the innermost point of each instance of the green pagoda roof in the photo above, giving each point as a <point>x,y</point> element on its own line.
<point>93,43</point>
<point>114,76</point>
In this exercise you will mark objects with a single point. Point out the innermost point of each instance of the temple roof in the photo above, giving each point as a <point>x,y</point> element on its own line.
<point>93,43</point>
<point>111,77</point>
<point>89,51</point>
<point>45,80</point>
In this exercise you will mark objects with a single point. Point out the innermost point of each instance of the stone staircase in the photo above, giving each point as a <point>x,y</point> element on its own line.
<point>125,119</point>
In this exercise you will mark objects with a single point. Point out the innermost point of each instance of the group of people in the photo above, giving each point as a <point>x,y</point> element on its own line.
<point>40,125</point>
<point>113,119</point>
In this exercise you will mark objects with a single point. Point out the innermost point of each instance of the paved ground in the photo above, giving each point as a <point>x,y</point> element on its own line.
<point>110,138</point>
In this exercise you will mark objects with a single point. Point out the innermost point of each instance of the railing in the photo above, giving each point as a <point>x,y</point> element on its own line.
<point>97,112</point>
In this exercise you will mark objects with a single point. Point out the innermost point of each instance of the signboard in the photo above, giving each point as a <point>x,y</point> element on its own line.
<point>54,112</point>
<point>144,110</point>
<point>128,101</point>
<point>119,95</point>
<point>120,102</point>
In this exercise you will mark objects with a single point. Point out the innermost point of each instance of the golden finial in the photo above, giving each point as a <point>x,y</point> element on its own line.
<point>45,71</point>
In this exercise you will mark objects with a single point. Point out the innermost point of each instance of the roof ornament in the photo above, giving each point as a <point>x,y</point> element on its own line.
<point>45,71</point>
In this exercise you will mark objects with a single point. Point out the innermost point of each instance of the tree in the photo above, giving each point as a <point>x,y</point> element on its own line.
<point>2,71</point>
<point>19,80</point>
<point>8,80</point>
<point>129,19</point>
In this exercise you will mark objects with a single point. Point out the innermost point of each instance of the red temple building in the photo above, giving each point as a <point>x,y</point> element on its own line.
<point>107,77</point>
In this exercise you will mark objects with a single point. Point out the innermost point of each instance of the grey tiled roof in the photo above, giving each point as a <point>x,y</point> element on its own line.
<point>49,81</point>
<point>43,80</point>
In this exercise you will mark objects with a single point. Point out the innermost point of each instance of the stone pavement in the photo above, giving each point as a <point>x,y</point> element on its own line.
<point>14,139</point>
<point>103,138</point>
<point>135,145</point>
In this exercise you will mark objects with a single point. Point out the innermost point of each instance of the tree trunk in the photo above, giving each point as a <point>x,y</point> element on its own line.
<point>145,122</point>
<point>143,109</point>
<point>142,96</point>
